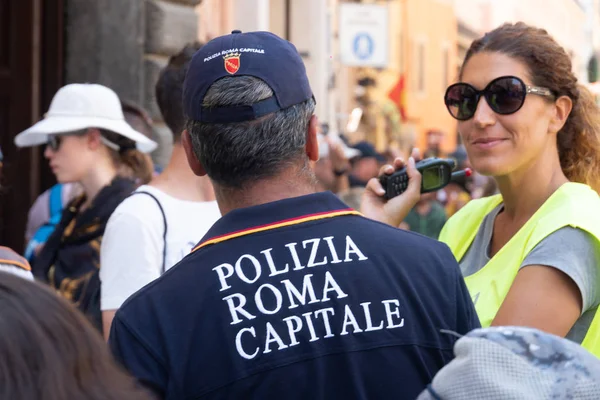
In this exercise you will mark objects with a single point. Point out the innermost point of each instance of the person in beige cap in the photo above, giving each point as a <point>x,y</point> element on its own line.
<point>88,142</point>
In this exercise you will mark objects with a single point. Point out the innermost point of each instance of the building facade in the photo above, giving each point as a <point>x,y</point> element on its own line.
<point>422,38</point>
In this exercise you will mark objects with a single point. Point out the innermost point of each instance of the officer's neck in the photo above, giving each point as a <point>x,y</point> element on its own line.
<point>293,182</point>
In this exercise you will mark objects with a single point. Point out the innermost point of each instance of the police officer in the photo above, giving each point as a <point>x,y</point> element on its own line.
<point>291,294</point>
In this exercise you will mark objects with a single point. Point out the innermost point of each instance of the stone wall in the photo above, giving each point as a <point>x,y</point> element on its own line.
<point>123,44</point>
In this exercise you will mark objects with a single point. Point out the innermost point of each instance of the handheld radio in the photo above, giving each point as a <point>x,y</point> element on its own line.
<point>436,173</point>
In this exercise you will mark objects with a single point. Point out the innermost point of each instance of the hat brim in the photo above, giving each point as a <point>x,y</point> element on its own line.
<point>351,153</point>
<point>52,125</point>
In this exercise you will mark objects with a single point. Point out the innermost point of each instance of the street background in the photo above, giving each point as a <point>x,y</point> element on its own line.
<point>378,69</point>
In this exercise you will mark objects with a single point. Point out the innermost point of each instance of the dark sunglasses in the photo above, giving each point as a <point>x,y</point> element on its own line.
<point>54,141</point>
<point>505,95</point>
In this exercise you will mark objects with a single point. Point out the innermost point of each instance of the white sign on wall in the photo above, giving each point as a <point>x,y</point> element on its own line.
<point>363,35</point>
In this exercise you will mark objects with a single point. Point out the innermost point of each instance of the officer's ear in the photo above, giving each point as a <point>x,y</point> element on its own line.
<point>312,143</point>
<point>193,162</point>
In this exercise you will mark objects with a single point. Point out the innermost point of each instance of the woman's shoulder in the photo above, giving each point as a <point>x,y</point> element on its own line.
<point>573,204</point>
<point>476,209</point>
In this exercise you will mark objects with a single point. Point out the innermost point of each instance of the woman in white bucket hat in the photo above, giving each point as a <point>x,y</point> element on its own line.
<point>89,142</point>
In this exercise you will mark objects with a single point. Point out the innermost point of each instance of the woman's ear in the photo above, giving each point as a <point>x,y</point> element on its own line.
<point>193,161</point>
<point>561,111</point>
<point>92,136</point>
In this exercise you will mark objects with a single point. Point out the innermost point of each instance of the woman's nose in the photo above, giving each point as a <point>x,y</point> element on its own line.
<point>484,115</point>
<point>48,153</point>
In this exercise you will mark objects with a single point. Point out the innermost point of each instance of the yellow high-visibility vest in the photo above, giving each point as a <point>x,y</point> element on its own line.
<point>573,204</point>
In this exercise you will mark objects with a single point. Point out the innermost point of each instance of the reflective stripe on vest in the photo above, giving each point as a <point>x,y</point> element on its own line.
<point>573,204</point>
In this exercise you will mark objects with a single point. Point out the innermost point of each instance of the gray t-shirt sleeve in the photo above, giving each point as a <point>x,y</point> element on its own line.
<point>576,253</point>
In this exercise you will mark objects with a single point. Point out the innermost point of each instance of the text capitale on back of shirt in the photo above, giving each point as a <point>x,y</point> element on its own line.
<point>248,269</point>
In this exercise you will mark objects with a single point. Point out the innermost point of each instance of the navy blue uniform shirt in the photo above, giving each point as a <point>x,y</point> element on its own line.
<point>297,299</point>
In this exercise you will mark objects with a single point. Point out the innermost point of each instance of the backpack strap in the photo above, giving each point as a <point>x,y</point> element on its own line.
<point>162,211</point>
<point>55,213</point>
<point>55,205</point>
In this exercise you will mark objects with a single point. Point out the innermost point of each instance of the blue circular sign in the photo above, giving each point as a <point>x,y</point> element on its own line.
<point>363,46</point>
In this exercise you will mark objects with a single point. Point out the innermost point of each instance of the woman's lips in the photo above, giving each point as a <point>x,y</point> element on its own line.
<point>487,143</point>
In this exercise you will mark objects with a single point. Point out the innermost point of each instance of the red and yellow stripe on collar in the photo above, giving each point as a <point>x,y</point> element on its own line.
<point>9,257</point>
<point>278,224</point>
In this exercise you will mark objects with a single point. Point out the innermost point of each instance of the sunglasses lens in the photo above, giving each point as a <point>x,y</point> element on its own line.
<point>54,143</point>
<point>461,101</point>
<point>506,95</point>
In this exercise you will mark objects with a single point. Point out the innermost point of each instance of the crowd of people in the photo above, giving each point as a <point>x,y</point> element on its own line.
<point>264,260</point>
<point>344,168</point>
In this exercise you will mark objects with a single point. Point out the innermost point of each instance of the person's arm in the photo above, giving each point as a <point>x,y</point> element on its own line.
<point>138,356</point>
<point>130,258</point>
<point>107,319</point>
<point>557,282</point>
<point>541,297</point>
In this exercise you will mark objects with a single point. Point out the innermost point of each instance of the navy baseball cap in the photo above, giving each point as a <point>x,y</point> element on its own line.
<point>259,54</point>
<point>367,150</point>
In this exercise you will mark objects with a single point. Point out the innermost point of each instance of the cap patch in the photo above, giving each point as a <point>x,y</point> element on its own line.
<point>232,62</point>
<point>261,55</point>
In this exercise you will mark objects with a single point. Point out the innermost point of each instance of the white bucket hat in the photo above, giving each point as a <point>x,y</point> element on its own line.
<point>80,106</point>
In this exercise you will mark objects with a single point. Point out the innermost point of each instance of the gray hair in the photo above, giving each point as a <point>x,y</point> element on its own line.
<point>236,154</point>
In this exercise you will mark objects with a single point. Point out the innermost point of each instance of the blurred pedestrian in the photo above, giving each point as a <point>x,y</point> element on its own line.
<point>333,166</point>
<point>427,217</point>
<point>434,138</point>
<point>139,119</point>
<point>161,222</point>
<point>366,165</point>
<point>87,141</point>
<point>46,211</point>
<point>50,352</point>
<point>458,192</point>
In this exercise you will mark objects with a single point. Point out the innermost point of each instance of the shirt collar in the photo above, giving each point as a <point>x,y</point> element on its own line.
<point>244,219</point>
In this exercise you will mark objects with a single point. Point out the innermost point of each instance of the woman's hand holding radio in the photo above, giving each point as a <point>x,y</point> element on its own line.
<point>393,211</point>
